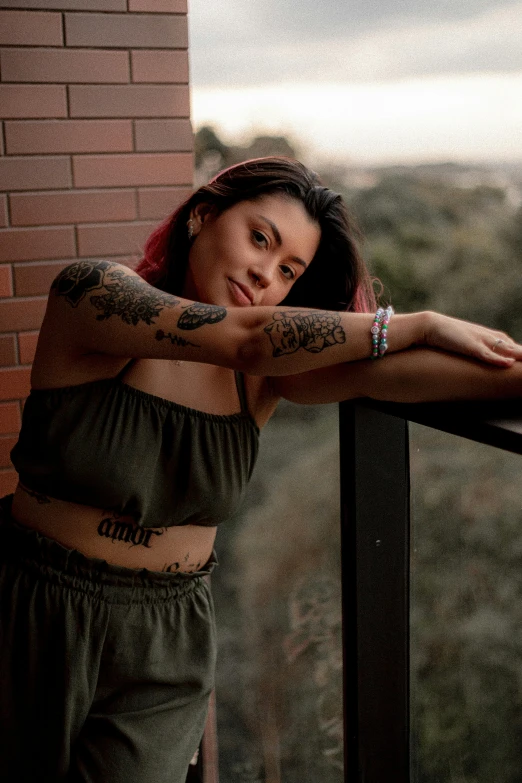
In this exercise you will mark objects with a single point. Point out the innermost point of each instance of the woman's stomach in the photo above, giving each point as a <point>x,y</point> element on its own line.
<point>109,536</point>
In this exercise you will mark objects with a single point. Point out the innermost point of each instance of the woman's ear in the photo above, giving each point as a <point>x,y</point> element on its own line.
<point>198,215</point>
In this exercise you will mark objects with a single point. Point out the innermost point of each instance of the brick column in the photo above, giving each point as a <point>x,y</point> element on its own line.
<point>95,149</point>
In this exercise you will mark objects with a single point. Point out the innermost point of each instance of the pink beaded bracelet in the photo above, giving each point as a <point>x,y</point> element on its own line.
<point>379,332</point>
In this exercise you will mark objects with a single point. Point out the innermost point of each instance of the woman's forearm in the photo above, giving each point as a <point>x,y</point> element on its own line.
<point>414,375</point>
<point>429,375</point>
<point>106,308</point>
<point>278,342</point>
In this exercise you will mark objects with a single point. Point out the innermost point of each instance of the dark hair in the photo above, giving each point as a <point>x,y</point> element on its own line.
<point>337,278</point>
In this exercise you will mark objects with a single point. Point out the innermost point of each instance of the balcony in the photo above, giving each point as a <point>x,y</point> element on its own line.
<point>386,649</point>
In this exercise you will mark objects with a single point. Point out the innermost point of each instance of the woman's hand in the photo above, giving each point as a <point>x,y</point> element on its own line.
<point>469,339</point>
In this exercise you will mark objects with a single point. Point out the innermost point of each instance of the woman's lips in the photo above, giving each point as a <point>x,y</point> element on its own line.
<point>241,293</point>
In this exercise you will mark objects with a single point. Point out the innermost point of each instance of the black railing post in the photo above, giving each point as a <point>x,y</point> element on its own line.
<point>375,573</point>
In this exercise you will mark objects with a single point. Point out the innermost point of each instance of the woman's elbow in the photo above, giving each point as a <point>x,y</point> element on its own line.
<point>251,355</point>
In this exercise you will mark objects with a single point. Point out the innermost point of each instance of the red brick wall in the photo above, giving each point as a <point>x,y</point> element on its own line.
<point>95,148</point>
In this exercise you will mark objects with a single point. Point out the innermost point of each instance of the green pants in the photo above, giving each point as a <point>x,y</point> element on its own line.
<point>105,672</point>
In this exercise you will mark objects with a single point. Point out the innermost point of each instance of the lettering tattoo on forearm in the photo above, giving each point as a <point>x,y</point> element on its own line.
<point>313,331</point>
<point>196,315</point>
<point>128,297</point>
<point>174,339</point>
<point>38,496</point>
<point>127,532</point>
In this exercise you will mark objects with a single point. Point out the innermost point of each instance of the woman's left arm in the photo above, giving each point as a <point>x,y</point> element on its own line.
<point>413,375</point>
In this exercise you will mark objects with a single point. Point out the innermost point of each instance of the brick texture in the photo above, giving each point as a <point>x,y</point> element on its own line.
<point>9,417</point>
<point>100,240</point>
<point>23,244</point>
<point>7,349</point>
<point>164,136</point>
<point>64,65</point>
<point>69,5</point>
<point>27,346</point>
<point>8,482</point>
<point>30,27</point>
<point>3,211</point>
<point>55,136</point>
<point>32,279</point>
<point>15,383</point>
<point>95,148</point>
<point>21,315</point>
<point>34,173</point>
<point>6,444</point>
<point>77,206</point>
<point>32,101</point>
<point>159,6</point>
<point>130,101</point>
<point>157,203</point>
<point>154,31</point>
<point>6,285</point>
<point>128,170</point>
<point>159,66</point>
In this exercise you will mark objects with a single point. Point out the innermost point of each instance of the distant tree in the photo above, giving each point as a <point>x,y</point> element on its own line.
<point>212,154</point>
<point>439,246</point>
<point>206,141</point>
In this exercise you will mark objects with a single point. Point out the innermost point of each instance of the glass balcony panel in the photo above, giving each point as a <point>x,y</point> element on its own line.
<point>278,604</point>
<point>466,611</point>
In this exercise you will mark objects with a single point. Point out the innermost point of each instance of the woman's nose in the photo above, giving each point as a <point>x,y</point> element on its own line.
<point>262,277</point>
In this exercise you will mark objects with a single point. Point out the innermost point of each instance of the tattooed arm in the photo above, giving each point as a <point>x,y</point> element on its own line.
<point>105,308</point>
<point>415,375</point>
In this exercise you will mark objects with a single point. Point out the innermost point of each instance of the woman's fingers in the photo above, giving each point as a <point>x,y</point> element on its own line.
<point>480,342</point>
<point>501,350</point>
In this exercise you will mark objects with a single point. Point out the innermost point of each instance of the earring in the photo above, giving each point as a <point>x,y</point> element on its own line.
<point>190,225</point>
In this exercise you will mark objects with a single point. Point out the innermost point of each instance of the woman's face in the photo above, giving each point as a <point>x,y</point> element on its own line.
<point>252,253</point>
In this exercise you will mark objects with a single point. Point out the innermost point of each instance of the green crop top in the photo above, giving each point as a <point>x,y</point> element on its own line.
<point>109,445</point>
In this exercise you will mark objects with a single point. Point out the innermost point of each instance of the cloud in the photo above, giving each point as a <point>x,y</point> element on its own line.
<point>473,118</point>
<point>364,40</point>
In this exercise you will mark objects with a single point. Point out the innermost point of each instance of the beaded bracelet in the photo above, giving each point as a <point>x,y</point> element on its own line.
<point>376,332</point>
<point>383,344</point>
<point>379,331</point>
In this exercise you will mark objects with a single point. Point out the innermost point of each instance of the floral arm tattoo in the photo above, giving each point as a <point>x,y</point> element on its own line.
<point>311,330</point>
<point>197,315</point>
<point>128,297</point>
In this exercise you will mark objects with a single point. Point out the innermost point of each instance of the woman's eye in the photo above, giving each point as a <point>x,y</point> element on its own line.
<point>260,238</point>
<point>288,272</point>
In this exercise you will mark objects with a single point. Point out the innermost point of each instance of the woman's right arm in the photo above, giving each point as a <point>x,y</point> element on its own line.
<point>105,308</point>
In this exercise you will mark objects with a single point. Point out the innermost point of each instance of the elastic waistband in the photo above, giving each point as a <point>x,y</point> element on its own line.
<point>31,551</point>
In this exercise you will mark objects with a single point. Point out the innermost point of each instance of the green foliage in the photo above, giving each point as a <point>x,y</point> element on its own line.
<point>466,590</point>
<point>438,239</point>
<point>436,245</point>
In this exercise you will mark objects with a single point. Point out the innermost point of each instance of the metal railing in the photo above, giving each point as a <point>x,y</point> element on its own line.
<point>375,498</point>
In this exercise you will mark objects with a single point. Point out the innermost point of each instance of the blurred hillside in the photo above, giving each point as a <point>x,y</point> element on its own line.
<point>445,237</point>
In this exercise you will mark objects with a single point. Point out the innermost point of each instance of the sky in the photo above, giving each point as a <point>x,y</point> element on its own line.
<point>363,81</point>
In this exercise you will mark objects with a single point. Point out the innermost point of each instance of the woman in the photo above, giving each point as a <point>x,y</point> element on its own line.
<point>140,435</point>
